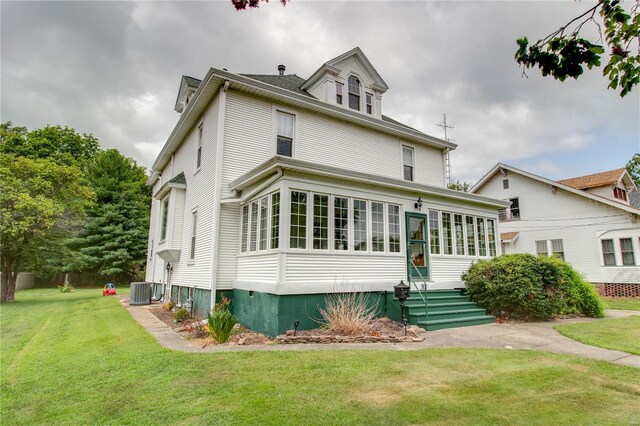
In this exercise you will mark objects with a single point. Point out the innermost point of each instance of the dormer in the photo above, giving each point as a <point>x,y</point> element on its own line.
<point>613,185</point>
<point>349,81</point>
<point>188,86</point>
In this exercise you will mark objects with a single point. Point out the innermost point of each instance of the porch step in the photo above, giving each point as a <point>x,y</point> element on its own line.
<point>459,322</point>
<point>446,309</point>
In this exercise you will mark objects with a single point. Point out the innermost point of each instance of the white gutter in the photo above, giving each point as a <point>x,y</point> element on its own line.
<point>271,180</point>
<point>218,193</point>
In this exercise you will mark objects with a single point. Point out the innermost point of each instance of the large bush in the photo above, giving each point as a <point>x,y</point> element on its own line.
<point>522,286</point>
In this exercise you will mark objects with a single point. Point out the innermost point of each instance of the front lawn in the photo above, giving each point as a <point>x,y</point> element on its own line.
<point>629,303</point>
<point>79,358</point>
<point>620,334</point>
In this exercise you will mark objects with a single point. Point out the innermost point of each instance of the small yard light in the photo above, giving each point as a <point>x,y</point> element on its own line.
<point>401,292</point>
<point>418,204</point>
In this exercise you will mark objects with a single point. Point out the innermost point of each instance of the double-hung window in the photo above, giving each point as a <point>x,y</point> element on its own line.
<point>199,147</point>
<point>394,228</point>
<point>407,162</point>
<point>434,232</point>
<point>285,134</point>
<point>354,93</point>
<point>541,247</point>
<point>459,228</point>
<point>339,91</point>
<point>298,229</point>
<point>275,220</point>
<point>369,102</point>
<point>194,224</point>
<point>377,226</point>
<point>447,234</point>
<point>515,208</point>
<point>320,222</point>
<point>359,225</point>
<point>471,239</point>
<point>626,250</point>
<point>557,249</point>
<point>264,219</point>
<point>165,219</point>
<point>608,252</point>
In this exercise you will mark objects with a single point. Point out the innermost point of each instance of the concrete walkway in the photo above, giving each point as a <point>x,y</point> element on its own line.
<point>532,336</point>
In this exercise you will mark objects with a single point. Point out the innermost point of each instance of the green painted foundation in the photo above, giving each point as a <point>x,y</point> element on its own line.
<point>273,314</point>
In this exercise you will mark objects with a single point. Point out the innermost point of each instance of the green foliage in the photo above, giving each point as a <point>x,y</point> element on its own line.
<point>181,315</point>
<point>221,321</point>
<point>66,288</point>
<point>114,240</point>
<point>565,53</point>
<point>633,167</point>
<point>522,286</point>
<point>460,186</point>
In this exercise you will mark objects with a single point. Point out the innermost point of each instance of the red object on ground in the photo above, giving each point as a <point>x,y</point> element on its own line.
<point>109,290</point>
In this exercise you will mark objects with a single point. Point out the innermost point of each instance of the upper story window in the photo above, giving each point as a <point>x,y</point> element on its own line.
<point>194,224</point>
<point>407,162</point>
<point>505,184</point>
<point>285,134</point>
<point>199,147</point>
<point>339,90</point>
<point>165,219</point>
<point>354,93</point>
<point>515,208</point>
<point>620,194</point>
<point>369,102</point>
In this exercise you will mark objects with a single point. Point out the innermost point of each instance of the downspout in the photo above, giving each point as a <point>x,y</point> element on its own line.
<point>218,193</point>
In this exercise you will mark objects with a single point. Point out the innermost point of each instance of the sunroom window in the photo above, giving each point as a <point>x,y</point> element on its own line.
<point>298,230</point>
<point>320,222</point>
<point>264,218</point>
<point>254,227</point>
<point>275,220</point>
<point>245,229</point>
<point>359,225</point>
<point>491,232</point>
<point>459,227</point>
<point>341,223</point>
<point>434,232</point>
<point>482,242</point>
<point>471,239</point>
<point>394,228</point>
<point>447,234</point>
<point>377,226</point>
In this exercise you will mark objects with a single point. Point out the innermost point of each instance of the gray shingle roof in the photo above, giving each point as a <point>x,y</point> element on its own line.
<point>179,179</point>
<point>290,82</point>
<point>192,81</point>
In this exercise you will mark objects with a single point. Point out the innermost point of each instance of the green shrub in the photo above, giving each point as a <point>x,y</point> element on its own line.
<point>181,315</point>
<point>221,321</point>
<point>526,287</point>
<point>67,288</point>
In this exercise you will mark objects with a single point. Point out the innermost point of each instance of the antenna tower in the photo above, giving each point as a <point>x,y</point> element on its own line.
<point>447,160</point>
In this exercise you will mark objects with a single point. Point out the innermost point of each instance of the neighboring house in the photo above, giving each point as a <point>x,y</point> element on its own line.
<point>585,220</point>
<point>276,190</point>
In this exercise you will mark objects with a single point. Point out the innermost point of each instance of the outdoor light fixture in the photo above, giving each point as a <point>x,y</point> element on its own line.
<point>418,204</point>
<point>296,323</point>
<point>401,292</point>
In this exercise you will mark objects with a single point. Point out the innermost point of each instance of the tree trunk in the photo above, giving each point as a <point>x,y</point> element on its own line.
<point>8,290</point>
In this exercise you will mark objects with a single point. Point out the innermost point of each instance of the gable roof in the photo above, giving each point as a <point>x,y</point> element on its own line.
<point>595,180</point>
<point>330,66</point>
<point>504,167</point>
<point>185,82</point>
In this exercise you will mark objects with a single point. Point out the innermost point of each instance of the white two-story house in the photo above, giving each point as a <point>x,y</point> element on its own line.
<point>276,190</point>
<point>586,220</point>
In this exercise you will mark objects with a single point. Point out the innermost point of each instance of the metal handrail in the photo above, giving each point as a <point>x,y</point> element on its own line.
<point>424,297</point>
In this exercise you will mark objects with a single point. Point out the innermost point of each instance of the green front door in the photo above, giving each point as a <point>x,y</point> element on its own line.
<point>417,254</point>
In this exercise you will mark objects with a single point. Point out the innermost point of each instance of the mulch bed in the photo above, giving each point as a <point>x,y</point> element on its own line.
<point>382,330</point>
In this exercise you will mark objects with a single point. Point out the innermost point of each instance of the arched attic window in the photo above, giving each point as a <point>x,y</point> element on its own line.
<point>354,93</point>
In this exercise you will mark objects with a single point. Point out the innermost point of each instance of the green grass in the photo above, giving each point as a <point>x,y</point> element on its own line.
<point>79,358</point>
<point>620,334</point>
<point>629,303</point>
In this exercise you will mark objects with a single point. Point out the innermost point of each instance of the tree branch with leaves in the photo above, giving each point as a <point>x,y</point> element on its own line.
<point>564,53</point>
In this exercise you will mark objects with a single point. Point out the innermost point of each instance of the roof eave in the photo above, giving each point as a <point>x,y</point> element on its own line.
<point>269,167</point>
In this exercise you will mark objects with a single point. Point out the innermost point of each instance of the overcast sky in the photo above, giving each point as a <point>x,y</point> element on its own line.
<point>113,69</point>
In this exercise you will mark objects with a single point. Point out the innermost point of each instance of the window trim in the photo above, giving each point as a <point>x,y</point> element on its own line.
<point>193,240</point>
<point>199,134</point>
<point>349,92</point>
<point>613,252</point>
<point>164,220</point>
<point>413,162</point>
<point>276,109</point>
